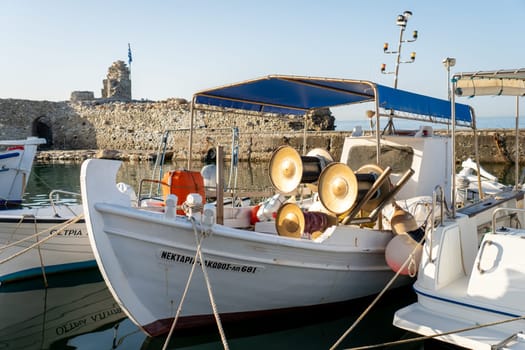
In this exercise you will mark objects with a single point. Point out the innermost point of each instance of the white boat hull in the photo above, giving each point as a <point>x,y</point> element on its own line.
<point>67,250</point>
<point>146,258</point>
<point>16,162</point>
<point>430,322</point>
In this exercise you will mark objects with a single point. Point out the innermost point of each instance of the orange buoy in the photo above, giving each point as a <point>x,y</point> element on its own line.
<point>181,183</point>
<point>399,249</point>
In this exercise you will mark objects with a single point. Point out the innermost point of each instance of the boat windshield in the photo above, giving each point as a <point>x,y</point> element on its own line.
<point>399,158</point>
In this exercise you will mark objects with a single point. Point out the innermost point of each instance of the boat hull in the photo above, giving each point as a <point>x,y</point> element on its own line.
<point>16,161</point>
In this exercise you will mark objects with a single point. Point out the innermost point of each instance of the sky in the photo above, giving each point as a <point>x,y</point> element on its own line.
<point>51,48</point>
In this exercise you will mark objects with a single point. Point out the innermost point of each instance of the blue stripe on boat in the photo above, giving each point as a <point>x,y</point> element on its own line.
<point>9,155</point>
<point>508,314</point>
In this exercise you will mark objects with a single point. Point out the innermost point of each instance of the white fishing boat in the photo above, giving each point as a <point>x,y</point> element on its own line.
<point>471,277</point>
<point>306,252</point>
<point>16,161</point>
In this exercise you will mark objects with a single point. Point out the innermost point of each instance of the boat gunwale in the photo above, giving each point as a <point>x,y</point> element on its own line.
<point>237,234</point>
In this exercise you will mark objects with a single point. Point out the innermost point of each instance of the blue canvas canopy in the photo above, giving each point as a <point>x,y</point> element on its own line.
<point>297,95</point>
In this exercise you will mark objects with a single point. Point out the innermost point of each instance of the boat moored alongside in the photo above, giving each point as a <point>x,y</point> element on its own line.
<point>471,278</point>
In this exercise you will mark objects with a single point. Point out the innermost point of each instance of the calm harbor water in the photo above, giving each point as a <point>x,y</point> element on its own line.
<point>78,312</point>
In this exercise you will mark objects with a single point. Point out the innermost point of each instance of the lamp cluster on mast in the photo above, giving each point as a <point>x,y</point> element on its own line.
<point>401,21</point>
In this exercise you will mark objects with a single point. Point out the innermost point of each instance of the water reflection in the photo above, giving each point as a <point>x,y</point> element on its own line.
<point>78,312</point>
<point>306,330</point>
<point>37,318</point>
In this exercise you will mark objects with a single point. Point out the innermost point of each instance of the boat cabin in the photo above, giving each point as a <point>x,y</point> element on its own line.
<point>428,156</point>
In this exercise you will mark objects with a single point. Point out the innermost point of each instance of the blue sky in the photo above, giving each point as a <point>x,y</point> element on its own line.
<point>50,48</point>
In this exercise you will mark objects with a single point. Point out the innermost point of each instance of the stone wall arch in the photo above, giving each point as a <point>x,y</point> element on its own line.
<point>42,128</point>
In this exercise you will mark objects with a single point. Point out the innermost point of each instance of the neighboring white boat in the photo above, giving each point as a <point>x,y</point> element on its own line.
<point>471,279</point>
<point>324,249</point>
<point>16,161</point>
<point>468,180</point>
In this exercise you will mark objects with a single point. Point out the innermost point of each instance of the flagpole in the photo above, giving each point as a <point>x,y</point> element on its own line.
<point>130,58</point>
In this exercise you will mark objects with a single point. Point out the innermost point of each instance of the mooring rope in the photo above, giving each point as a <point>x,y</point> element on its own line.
<point>426,337</point>
<point>58,231</point>
<point>57,226</point>
<point>42,266</point>
<point>212,300</point>
<point>383,291</point>
<point>199,257</point>
<point>183,297</point>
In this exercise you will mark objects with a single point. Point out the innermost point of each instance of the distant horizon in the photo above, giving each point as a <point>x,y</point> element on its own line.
<point>485,122</point>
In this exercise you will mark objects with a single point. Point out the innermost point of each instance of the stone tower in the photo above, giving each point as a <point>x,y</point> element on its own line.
<point>117,85</point>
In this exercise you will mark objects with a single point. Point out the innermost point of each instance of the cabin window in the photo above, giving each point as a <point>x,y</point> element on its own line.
<point>399,158</point>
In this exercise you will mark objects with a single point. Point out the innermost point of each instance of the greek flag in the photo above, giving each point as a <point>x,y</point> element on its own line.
<point>130,58</point>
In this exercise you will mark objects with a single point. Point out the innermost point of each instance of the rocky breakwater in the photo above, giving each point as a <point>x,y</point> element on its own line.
<point>75,156</point>
<point>494,145</point>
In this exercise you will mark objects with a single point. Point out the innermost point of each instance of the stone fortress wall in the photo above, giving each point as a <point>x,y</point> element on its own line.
<point>137,126</point>
<point>116,122</point>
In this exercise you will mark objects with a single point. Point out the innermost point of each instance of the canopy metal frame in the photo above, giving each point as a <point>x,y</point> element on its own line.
<point>298,95</point>
<point>503,82</point>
